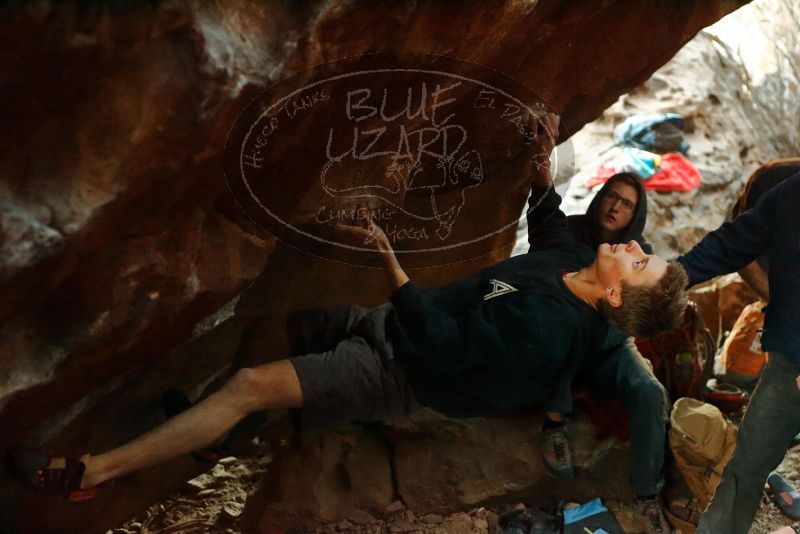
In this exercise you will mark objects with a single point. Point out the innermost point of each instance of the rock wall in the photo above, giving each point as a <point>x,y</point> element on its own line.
<point>118,237</point>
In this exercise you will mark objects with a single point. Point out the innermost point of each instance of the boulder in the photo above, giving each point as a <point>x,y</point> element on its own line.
<point>721,301</point>
<point>433,465</point>
<point>119,234</point>
<point>325,476</point>
<point>734,295</point>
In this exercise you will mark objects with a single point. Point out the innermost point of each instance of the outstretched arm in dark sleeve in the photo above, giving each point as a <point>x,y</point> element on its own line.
<point>736,243</point>
<point>547,224</point>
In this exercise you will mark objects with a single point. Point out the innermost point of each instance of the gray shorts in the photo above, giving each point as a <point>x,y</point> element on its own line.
<point>347,370</point>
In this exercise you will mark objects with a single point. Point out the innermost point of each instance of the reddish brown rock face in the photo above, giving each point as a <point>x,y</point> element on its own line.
<point>118,233</point>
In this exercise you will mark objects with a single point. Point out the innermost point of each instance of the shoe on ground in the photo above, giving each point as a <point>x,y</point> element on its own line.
<point>522,520</point>
<point>510,521</point>
<point>785,495</point>
<point>650,514</point>
<point>49,474</point>
<point>556,455</point>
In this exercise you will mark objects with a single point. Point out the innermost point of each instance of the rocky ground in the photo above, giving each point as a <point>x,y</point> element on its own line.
<point>210,503</point>
<point>213,502</point>
<point>769,516</point>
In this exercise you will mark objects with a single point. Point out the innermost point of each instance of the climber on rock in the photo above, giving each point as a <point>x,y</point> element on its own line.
<point>616,215</point>
<point>495,341</point>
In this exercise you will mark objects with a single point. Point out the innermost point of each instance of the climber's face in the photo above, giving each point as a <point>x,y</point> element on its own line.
<point>626,263</point>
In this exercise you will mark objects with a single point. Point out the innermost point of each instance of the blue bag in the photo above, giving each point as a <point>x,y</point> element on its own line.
<point>591,516</point>
<point>659,132</point>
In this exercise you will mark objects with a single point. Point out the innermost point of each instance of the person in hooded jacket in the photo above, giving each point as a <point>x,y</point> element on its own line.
<point>617,215</point>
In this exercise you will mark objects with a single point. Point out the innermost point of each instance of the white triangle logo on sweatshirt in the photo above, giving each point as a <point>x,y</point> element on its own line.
<point>499,288</point>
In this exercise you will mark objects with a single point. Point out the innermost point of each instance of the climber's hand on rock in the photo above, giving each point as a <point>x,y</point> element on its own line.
<point>370,235</point>
<point>542,138</point>
<point>542,132</point>
<point>367,234</point>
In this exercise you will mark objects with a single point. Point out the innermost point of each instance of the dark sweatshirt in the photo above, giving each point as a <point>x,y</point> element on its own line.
<point>504,337</point>
<point>587,231</point>
<point>771,226</point>
<point>762,180</point>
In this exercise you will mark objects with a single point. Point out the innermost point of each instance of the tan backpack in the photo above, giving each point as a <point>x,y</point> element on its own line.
<point>702,441</point>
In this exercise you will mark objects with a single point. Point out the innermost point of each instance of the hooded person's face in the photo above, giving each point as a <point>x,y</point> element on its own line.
<point>617,206</point>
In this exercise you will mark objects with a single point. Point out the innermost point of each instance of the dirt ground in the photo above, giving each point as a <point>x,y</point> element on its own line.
<point>213,503</point>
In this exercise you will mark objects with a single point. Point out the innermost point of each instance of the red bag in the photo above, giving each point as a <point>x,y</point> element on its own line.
<point>675,174</point>
<point>683,359</point>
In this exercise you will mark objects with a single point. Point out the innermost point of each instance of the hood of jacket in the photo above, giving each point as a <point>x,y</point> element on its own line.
<point>587,230</point>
